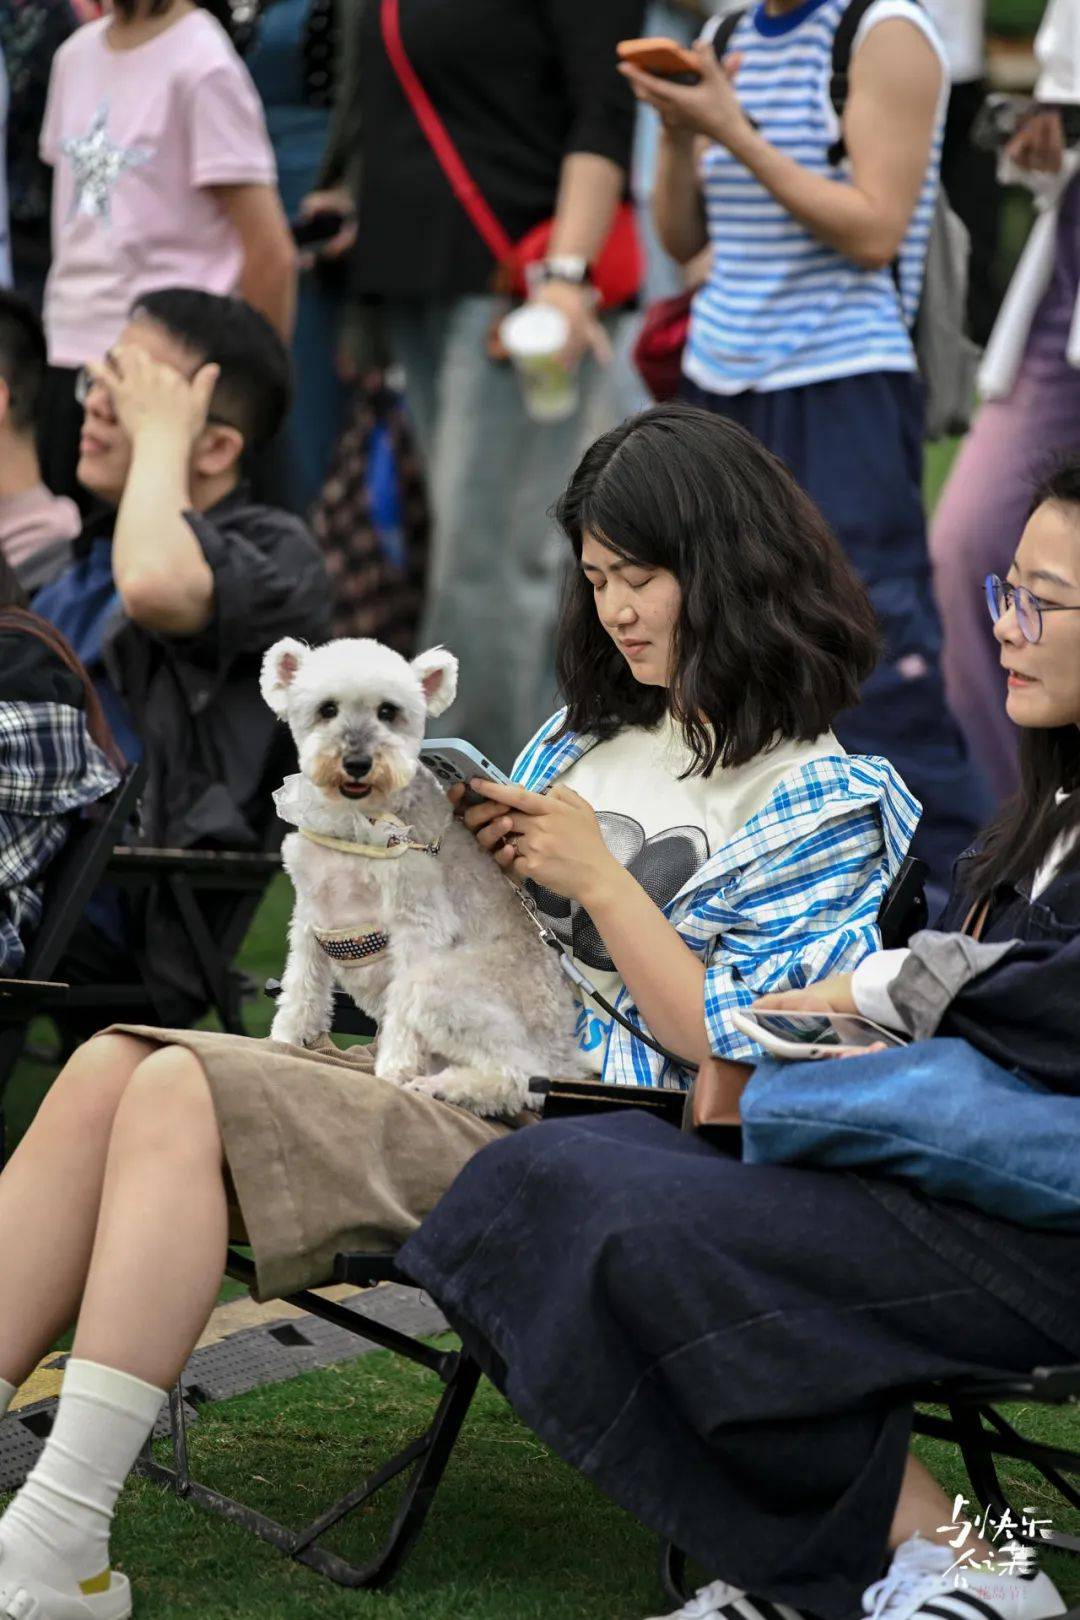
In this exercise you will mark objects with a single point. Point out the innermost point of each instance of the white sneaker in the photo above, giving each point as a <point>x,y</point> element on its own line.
<point>26,1597</point>
<point>731,1602</point>
<point>922,1581</point>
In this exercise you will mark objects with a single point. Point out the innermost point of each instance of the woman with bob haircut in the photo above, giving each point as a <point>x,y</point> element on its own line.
<point>711,632</point>
<point>729,1349</point>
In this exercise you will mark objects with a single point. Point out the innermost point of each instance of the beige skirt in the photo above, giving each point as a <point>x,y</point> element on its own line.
<point>324,1157</point>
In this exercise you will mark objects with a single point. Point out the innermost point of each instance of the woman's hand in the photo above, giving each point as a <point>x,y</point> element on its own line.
<point>710,107</point>
<point>827,995</point>
<point>553,838</point>
<point>1039,143</point>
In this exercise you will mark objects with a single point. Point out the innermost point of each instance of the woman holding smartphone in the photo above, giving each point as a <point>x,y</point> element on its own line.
<point>726,1348</point>
<point>711,632</point>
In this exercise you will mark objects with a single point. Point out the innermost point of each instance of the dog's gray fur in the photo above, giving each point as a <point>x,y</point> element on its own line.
<point>470,1004</point>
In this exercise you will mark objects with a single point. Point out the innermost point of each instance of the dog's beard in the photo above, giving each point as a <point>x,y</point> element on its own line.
<point>390,773</point>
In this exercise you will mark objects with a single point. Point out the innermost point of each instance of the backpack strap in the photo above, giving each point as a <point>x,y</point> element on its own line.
<point>720,30</point>
<point>839,83</point>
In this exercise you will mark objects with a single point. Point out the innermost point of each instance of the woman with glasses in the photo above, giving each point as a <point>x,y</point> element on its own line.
<point>727,1348</point>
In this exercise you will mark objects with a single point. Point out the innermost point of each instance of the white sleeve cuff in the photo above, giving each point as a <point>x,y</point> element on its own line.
<point>870,986</point>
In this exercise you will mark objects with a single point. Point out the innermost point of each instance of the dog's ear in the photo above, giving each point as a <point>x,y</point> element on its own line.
<point>437,670</point>
<point>280,667</point>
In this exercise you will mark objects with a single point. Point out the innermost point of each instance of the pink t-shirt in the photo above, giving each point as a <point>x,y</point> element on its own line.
<point>135,138</point>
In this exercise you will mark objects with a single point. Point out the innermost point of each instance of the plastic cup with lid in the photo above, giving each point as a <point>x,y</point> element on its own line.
<point>534,336</point>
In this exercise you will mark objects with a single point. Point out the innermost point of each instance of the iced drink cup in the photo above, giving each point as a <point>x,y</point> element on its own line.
<point>535,336</point>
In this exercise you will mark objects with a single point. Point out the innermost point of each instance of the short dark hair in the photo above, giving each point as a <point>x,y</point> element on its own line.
<point>22,359</point>
<point>1018,842</point>
<point>254,388</point>
<point>775,632</point>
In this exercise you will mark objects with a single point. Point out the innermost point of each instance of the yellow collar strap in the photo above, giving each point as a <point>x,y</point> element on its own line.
<point>398,843</point>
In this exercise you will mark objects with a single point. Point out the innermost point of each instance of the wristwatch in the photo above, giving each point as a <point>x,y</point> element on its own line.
<point>571,267</point>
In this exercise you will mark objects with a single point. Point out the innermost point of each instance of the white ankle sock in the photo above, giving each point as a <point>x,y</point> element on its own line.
<point>6,1392</point>
<point>57,1527</point>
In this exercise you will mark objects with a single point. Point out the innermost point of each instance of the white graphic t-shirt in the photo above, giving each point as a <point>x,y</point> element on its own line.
<point>662,829</point>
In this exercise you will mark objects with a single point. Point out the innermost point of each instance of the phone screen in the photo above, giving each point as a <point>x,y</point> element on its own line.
<point>808,1029</point>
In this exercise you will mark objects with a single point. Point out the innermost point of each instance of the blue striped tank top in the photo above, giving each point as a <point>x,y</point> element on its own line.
<point>780,309</point>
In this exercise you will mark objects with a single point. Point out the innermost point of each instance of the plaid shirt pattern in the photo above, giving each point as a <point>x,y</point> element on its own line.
<point>49,767</point>
<point>791,897</point>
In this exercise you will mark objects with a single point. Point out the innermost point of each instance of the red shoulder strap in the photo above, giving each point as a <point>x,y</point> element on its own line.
<point>438,138</point>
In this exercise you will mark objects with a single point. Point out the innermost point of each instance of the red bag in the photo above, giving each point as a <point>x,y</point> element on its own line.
<point>619,268</point>
<point>659,348</point>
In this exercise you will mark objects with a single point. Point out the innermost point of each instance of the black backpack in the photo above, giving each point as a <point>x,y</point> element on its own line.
<point>947,358</point>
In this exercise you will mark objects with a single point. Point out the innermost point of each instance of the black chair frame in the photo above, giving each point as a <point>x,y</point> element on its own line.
<point>183,875</point>
<point>422,1460</point>
<point>69,883</point>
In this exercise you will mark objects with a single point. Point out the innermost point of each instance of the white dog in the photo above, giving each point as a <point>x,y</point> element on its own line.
<point>395,901</point>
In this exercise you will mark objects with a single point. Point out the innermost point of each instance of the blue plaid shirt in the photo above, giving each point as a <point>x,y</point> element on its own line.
<point>49,767</point>
<point>792,897</point>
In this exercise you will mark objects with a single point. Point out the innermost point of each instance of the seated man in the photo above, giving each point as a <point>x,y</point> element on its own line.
<point>36,527</point>
<point>178,590</point>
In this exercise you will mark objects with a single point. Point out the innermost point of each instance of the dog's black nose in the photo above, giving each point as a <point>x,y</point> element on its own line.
<point>357,765</point>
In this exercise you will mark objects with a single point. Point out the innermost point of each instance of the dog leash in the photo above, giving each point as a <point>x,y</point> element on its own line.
<point>398,843</point>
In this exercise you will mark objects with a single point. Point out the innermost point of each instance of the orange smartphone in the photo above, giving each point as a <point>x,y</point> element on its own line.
<point>662,57</point>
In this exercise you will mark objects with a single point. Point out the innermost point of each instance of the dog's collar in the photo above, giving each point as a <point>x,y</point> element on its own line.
<point>398,842</point>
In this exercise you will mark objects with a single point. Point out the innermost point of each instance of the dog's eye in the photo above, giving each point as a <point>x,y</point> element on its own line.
<point>328,710</point>
<point>387,712</point>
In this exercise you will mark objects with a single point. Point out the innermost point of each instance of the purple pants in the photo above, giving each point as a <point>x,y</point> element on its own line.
<point>985,505</point>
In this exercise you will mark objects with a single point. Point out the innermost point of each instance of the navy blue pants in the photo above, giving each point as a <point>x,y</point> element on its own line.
<point>855,447</point>
<point>726,1349</point>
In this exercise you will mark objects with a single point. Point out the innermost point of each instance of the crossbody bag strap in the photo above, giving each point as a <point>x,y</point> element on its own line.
<point>975,921</point>
<point>438,137</point>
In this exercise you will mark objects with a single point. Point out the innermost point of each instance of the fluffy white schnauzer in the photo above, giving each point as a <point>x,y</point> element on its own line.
<point>395,900</point>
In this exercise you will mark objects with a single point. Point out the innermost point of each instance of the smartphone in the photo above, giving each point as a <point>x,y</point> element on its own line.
<point>312,230</point>
<point>812,1035</point>
<point>453,760</point>
<point>662,57</point>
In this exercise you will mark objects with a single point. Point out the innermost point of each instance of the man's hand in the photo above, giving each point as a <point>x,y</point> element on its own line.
<point>553,838</point>
<point>149,398</point>
<point>1039,143</point>
<point>578,304</point>
<point>338,200</point>
<point>827,995</point>
<point>710,107</point>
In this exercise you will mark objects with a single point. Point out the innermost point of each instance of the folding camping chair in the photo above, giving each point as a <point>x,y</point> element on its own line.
<point>69,883</point>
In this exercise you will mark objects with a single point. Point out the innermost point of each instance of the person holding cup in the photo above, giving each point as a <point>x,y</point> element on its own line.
<point>529,96</point>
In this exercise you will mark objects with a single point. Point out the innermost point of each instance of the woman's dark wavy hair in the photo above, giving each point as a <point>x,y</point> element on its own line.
<point>1017,843</point>
<point>775,632</point>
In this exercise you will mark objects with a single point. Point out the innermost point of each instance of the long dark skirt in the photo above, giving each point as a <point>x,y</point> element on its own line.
<point>722,1348</point>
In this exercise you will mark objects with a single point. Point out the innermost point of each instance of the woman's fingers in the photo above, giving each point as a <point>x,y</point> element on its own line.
<point>476,816</point>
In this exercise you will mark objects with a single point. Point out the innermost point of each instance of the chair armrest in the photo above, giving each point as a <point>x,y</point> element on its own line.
<point>230,868</point>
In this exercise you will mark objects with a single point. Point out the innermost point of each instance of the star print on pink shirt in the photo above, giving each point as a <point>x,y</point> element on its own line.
<point>136,138</point>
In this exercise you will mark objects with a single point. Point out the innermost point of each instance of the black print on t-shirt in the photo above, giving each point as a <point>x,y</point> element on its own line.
<point>661,864</point>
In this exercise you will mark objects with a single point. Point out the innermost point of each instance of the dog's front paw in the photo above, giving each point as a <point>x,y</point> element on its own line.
<point>492,1096</point>
<point>291,1032</point>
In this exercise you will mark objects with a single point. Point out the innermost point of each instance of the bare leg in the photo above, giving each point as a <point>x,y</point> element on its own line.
<point>923,1508</point>
<point>163,1227</point>
<point>50,1193</point>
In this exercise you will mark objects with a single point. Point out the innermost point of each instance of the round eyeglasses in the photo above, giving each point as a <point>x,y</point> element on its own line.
<point>1000,597</point>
